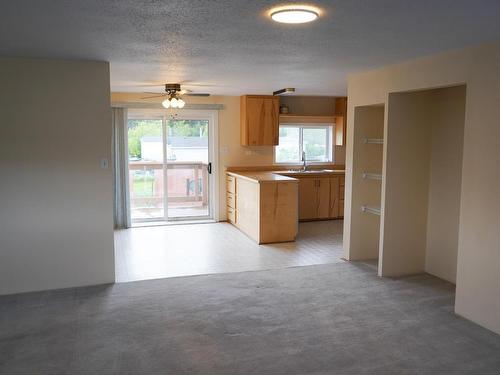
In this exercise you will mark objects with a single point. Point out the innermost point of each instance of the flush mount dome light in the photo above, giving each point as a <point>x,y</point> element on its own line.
<point>296,14</point>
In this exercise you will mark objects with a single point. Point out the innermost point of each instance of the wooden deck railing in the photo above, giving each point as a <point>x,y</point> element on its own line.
<point>199,170</point>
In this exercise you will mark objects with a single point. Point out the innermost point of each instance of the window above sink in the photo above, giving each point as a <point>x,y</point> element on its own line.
<point>316,140</point>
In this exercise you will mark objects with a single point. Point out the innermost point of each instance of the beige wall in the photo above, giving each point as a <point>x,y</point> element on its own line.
<point>423,182</point>
<point>230,151</point>
<point>478,270</point>
<point>406,181</point>
<point>447,120</point>
<point>56,222</point>
<point>309,105</point>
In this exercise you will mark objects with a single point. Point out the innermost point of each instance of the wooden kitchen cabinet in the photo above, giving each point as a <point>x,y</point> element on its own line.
<point>323,198</point>
<point>341,194</point>
<point>264,208</point>
<point>259,124</point>
<point>319,198</point>
<point>334,197</point>
<point>231,198</point>
<point>307,199</point>
<point>341,123</point>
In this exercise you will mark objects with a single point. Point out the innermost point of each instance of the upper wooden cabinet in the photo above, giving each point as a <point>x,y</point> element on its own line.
<point>259,120</point>
<point>341,125</point>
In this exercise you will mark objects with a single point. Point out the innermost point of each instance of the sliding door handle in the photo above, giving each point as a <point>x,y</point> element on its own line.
<point>209,168</point>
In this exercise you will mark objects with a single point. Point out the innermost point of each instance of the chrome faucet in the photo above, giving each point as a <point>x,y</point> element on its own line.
<point>304,162</point>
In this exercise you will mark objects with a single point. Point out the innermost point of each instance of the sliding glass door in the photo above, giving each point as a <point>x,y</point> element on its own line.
<point>187,169</point>
<point>170,170</point>
<point>146,168</point>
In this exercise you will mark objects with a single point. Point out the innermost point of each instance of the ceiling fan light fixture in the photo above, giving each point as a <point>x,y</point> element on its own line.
<point>172,98</point>
<point>295,15</point>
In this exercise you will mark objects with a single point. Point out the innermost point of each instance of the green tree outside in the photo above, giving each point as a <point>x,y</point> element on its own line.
<point>178,128</point>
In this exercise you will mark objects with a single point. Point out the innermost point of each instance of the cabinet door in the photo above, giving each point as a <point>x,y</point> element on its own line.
<point>261,120</point>
<point>308,202</point>
<point>323,198</point>
<point>271,121</point>
<point>341,195</point>
<point>341,121</point>
<point>334,197</point>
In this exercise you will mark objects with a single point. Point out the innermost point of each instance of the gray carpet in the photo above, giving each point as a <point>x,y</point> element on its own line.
<point>329,319</point>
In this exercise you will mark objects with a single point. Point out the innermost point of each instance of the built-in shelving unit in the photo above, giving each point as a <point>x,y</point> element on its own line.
<point>372,176</point>
<point>366,187</point>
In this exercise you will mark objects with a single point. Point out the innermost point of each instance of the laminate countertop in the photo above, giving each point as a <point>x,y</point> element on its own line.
<point>284,176</point>
<point>312,173</point>
<point>264,176</point>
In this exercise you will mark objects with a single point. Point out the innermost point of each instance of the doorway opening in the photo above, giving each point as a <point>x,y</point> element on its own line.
<point>171,177</point>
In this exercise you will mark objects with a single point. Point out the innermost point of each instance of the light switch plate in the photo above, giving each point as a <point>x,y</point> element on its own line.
<point>104,163</point>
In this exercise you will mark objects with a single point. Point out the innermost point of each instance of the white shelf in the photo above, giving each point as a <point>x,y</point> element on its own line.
<point>371,210</point>
<point>373,141</point>
<point>372,176</point>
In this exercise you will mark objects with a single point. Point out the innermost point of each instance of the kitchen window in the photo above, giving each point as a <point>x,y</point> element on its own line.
<point>316,140</point>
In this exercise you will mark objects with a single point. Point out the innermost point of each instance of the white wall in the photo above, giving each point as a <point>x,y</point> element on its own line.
<point>478,270</point>
<point>56,223</point>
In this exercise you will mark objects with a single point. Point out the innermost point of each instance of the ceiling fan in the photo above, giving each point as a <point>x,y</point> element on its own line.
<point>173,94</point>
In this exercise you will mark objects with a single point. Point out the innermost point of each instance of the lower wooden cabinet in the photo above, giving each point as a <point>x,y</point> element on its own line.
<point>319,198</point>
<point>341,193</point>
<point>266,211</point>
<point>231,215</point>
<point>334,197</point>
<point>231,198</point>
<point>308,206</point>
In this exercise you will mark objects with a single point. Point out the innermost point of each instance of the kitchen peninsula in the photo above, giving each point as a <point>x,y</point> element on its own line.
<point>267,205</point>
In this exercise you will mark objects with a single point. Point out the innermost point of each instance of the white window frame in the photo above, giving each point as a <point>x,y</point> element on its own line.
<point>330,145</point>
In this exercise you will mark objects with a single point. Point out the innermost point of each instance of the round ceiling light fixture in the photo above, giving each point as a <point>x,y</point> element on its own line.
<point>295,14</point>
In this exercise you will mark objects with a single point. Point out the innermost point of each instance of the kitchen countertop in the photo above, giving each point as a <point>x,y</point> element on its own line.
<point>312,173</point>
<point>284,176</point>
<point>265,176</point>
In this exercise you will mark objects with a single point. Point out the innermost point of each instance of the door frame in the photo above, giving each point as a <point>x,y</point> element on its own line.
<point>213,147</point>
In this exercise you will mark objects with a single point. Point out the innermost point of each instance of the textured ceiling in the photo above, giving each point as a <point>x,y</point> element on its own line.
<point>233,47</point>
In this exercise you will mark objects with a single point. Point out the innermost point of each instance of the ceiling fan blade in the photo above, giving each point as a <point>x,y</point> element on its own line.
<point>197,94</point>
<point>139,84</point>
<point>154,96</point>
<point>189,84</point>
